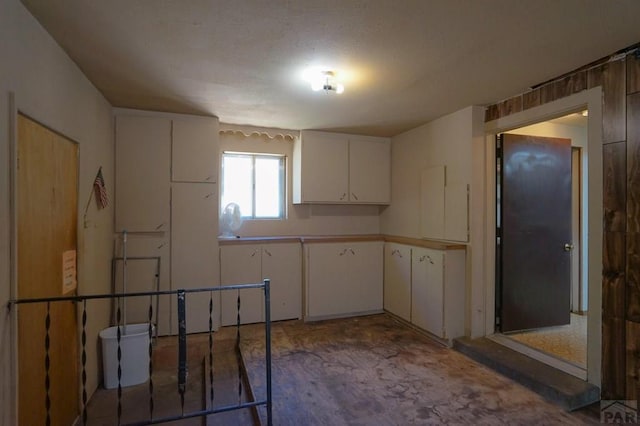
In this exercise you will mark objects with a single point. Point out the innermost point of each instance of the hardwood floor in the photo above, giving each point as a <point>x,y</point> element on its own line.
<point>376,371</point>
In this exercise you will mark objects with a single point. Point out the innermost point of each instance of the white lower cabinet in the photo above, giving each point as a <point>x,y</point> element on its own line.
<point>438,291</point>
<point>343,279</point>
<point>397,280</point>
<point>426,287</point>
<point>427,290</point>
<point>251,263</point>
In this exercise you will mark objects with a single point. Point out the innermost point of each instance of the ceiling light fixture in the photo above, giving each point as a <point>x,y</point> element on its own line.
<point>327,81</point>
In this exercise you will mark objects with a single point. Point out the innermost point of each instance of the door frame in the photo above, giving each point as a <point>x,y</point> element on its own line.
<point>592,100</point>
<point>14,112</point>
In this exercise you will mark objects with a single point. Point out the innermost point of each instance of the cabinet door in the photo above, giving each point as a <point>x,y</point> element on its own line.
<point>432,202</point>
<point>282,264</point>
<point>328,291</point>
<point>194,150</point>
<point>142,275</point>
<point>241,265</point>
<point>143,165</point>
<point>456,207</point>
<point>397,280</point>
<point>427,290</point>
<point>370,170</point>
<point>324,168</point>
<point>194,249</point>
<point>365,276</point>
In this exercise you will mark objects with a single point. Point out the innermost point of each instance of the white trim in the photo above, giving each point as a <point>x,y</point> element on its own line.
<point>592,99</point>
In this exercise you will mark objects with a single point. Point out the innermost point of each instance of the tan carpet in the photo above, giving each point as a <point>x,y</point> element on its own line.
<point>568,342</point>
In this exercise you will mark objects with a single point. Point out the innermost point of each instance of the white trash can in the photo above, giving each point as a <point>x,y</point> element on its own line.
<point>134,362</point>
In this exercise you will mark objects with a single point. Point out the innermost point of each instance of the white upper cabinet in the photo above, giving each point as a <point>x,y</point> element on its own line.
<point>321,168</point>
<point>369,170</point>
<point>336,168</point>
<point>444,206</point>
<point>143,164</point>
<point>194,150</point>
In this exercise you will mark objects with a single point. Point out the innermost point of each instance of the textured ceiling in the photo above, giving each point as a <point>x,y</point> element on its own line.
<point>406,62</point>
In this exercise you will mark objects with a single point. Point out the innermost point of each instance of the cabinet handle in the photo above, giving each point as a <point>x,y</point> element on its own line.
<point>396,251</point>
<point>430,261</point>
<point>161,245</point>
<point>422,258</point>
<point>267,252</point>
<point>254,253</point>
<point>354,196</point>
<point>209,177</point>
<point>342,253</point>
<point>160,226</point>
<point>344,195</point>
<point>208,195</point>
<point>352,252</point>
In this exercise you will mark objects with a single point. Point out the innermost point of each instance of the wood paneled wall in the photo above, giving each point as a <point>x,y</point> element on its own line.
<point>620,81</point>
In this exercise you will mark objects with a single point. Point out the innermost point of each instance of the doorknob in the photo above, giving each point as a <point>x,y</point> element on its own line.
<point>568,247</point>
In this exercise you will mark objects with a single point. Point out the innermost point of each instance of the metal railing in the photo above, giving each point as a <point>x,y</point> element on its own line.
<point>182,350</point>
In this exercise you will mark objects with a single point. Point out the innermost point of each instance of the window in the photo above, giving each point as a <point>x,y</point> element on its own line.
<point>256,182</point>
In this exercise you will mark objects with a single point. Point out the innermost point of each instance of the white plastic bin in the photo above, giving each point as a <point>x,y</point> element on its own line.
<point>134,346</point>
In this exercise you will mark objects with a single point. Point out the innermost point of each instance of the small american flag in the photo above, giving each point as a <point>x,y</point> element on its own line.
<point>100,190</point>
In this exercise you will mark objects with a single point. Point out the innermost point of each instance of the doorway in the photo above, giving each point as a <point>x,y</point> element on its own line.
<point>484,281</point>
<point>540,294</point>
<point>46,206</point>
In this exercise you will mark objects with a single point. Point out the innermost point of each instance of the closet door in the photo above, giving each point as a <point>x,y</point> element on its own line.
<point>194,150</point>
<point>143,164</point>
<point>194,249</point>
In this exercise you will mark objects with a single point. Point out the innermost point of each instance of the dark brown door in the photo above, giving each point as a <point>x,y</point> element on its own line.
<point>534,230</point>
<point>47,227</point>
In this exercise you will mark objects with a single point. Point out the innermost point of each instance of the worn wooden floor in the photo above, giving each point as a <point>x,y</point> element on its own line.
<point>376,371</point>
<point>102,408</point>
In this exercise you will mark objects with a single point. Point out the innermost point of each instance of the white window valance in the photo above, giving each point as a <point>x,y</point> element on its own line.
<point>266,132</point>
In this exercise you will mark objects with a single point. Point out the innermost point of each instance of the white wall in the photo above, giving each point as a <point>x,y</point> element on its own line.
<point>51,89</point>
<point>301,219</point>
<point>445,141</point>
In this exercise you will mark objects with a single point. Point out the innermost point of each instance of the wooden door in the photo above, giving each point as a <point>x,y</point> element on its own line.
<point>397,280</point>
<point>534,232</point>
<point>47,181</point>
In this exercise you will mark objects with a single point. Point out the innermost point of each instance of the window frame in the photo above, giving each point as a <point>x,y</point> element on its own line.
<point>282,183</point>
